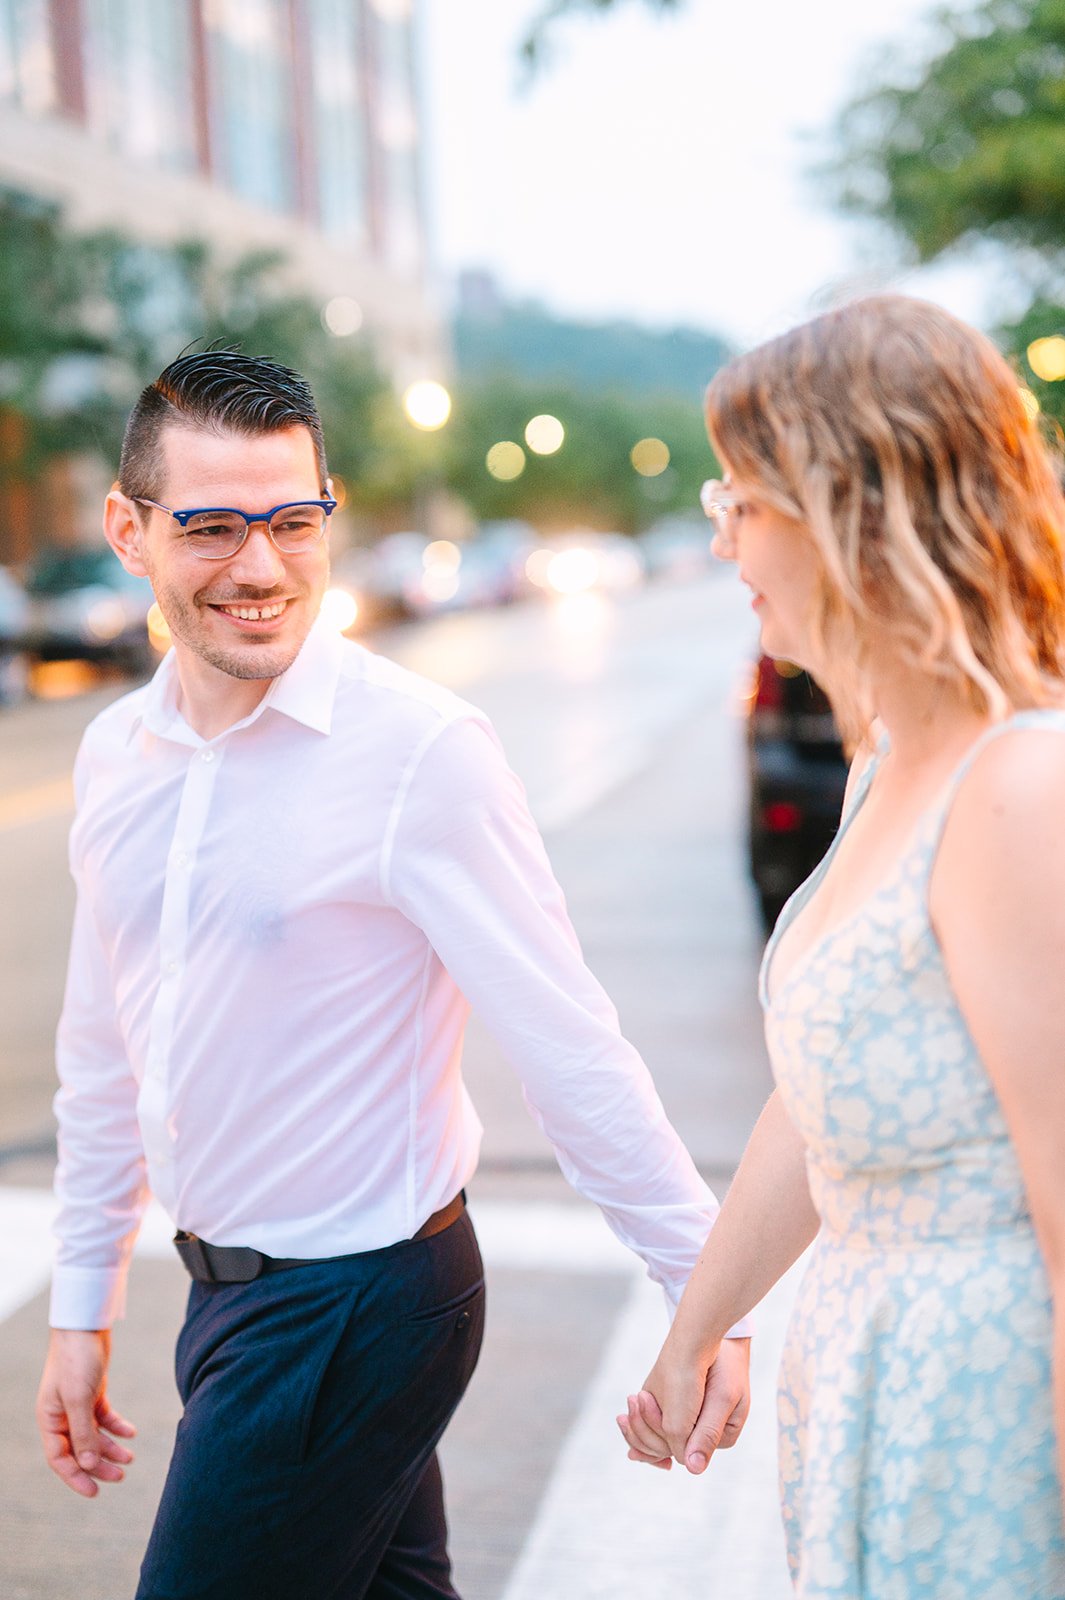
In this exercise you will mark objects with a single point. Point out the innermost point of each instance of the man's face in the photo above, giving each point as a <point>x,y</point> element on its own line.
<point>200,599</point>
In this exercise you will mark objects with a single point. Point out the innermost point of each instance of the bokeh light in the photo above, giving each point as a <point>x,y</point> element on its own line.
<point>158,629</point>
<point>536,567</point>
<point>650,457</point>
<point>440,582</point>
<point>505,460</point>
<point>1029,402</point>
<point>443,554</point>
<point>544,434</point>
<point>573,571</point>
<point>427,404</point>
<point>1046,357</point>
<point>342,316</point>
<point>339,609</point>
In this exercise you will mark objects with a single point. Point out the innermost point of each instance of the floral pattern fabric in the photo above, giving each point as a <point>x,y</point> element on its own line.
<point>917,1449</point>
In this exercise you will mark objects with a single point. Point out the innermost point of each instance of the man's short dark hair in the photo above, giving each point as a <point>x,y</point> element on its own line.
<point>224,391</point>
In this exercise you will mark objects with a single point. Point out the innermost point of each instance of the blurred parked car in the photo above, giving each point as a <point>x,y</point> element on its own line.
<point>85,606</point>
<point>14,619</point>
<point>584,562</point>
<point>676,547</point>
<point>798,773</point>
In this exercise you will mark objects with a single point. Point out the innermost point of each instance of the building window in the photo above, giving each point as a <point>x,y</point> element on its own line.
<point>397,135</point>
<point>27,66</point>
<point>249,67</point>
<point>339,141</point>
<point>138,79</point>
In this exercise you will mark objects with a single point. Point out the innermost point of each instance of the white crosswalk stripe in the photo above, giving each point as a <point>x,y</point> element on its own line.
<point>605,1529</point>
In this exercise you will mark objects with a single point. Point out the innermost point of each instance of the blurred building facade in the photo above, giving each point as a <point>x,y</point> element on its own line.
<point>244,123</point>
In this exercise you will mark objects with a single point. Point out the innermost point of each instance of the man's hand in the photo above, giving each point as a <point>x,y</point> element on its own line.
<point>689,1407</point>
<point>73,1411</point>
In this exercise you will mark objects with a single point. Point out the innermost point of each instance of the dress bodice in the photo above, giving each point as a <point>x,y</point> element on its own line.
<point>905,1138</point>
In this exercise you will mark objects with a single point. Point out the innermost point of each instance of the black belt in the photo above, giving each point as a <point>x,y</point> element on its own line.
<point>236,1263</point>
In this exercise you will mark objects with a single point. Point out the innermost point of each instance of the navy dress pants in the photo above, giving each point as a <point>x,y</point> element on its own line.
<point>305,1465</point>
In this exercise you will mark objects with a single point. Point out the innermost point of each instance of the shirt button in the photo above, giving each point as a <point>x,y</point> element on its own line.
<point>170,968</point>
<point>206,755</point>
<point>181,859</point>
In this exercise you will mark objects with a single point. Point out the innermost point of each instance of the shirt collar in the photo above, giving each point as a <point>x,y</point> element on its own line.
<point>305,692</point>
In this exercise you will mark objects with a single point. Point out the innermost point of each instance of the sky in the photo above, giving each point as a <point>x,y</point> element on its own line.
<point>658,167</point>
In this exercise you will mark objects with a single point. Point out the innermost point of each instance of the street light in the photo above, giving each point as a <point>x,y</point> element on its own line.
<point>427,405</point>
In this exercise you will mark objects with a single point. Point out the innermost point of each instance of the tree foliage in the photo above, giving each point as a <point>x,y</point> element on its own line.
<point>531,341</point>
<point>87,319</point>
<point>591,480</point>
<point>969,145</point>
<point>974,145</point>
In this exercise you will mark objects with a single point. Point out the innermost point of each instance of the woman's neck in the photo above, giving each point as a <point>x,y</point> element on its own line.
<point>924,716</point>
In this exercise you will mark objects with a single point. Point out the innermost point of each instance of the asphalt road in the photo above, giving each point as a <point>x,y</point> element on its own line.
<point>623,719</point>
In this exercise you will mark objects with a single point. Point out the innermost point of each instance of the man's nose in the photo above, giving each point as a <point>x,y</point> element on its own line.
<point>258,562</point>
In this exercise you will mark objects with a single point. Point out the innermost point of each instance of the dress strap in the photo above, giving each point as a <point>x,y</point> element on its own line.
<point>1038,717</point>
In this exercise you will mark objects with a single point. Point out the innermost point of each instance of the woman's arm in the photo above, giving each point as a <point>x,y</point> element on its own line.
<point>766,1222</point>
<point>998,906</point>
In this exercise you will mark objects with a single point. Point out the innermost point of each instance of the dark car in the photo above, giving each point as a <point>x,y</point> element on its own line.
<point>85,606</point>
<point>798,773</point>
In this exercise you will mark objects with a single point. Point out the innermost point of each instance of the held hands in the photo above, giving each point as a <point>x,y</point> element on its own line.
<point>74,1416</point>
<point>690,1406</point>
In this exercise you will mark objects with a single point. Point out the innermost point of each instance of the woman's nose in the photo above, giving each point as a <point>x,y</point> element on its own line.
<point>723,544</point>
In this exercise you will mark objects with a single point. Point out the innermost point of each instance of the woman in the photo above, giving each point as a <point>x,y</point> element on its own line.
<point>892,507</point>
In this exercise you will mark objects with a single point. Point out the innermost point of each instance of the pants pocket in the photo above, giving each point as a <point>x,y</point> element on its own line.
<point>331,1342</point>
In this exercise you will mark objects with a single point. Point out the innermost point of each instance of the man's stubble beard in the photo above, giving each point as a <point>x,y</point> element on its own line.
<point>183,617</point>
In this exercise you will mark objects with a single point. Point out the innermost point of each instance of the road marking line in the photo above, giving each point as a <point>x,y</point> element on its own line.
<point>33,805</point>
<point>529,1237</point>
<point>693,1538</point>
<point>607,1527</point>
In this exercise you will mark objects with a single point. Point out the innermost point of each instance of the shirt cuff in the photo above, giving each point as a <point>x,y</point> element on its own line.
<point>87,1297</point>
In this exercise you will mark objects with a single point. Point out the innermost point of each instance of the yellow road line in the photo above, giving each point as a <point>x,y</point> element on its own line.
<point>34,805</point>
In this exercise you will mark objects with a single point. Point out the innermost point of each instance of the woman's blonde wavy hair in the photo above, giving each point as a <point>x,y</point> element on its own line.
<point>899,437</point>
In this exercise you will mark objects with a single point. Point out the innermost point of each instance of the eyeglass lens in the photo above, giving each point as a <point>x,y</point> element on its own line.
<point>216,534</point>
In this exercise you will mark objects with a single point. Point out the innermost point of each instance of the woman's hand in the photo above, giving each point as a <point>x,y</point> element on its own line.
<point>691,1405</point>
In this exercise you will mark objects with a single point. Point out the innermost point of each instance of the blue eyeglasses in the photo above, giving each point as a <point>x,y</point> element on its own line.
<point>215,532</point>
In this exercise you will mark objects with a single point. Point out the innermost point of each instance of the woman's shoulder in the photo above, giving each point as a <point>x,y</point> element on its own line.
<point>1010,798</point>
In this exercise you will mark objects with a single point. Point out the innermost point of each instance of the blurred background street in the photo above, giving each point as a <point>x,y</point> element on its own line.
<point>509,242</point>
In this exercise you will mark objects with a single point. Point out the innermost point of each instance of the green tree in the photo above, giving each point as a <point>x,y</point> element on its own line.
<point>975,145</point>
<point>591,480</point>
<point>969,146</point>
<point>87,319</point>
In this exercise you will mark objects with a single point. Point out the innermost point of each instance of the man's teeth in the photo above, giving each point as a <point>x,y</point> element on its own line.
<point>255,613</point>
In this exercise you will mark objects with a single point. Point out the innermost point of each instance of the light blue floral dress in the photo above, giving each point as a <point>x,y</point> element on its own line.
<point>917,1451</point>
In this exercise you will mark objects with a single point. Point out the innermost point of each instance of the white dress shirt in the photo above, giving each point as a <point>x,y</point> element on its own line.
<point>277,935</point>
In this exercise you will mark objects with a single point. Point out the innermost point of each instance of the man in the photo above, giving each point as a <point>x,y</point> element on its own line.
<point>295,864</point>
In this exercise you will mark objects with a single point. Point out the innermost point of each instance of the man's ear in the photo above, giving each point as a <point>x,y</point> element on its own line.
<point>124,532</point>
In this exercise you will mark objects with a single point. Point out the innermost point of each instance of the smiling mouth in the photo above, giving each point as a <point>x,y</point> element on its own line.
<point>264,612</point>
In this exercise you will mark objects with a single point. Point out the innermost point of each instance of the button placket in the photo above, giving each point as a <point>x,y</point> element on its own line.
<point>190,824</point>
